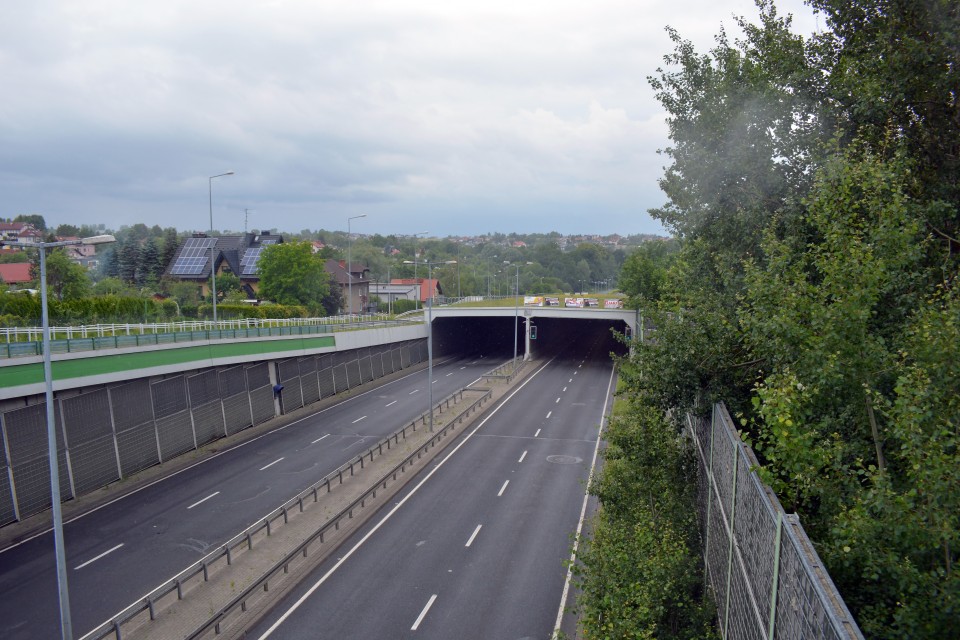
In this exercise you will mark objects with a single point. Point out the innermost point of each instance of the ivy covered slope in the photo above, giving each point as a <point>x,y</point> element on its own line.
<point>814,187</point>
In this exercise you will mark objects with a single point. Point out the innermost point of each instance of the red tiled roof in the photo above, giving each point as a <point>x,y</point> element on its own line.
<point>15,272</point>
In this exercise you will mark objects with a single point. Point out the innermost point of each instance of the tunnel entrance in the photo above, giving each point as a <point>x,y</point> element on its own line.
<point>494,336</point>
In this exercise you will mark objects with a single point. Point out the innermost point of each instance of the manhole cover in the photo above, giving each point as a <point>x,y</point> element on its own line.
<point>564,459</point>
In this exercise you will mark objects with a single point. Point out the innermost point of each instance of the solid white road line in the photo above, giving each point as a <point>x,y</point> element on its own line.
<point>215,493</point>
<point>359,419</point>
<point>503,488</point>
<point>474,535</point>
<point>423,613</point>
<point>271,464</point>
<point>394,402</point>
<point>549,413</point>
<point>522,456</point>
<point>92,560</point>
<point>296,605</point>
<point>319,439</point>
<point>537,433</point>
<point>583,509</point>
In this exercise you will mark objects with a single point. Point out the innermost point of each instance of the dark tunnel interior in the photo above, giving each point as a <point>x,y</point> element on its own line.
<point>494,337</point>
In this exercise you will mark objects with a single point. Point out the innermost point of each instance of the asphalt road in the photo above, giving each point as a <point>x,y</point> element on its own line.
<point>122,551</point>
<point>475,546</point>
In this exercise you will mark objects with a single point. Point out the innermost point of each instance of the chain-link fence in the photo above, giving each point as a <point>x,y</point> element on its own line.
<point>766,577</point>
<point>108,433</point>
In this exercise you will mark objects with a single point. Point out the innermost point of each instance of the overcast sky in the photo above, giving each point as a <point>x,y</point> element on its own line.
<point>447,116</point>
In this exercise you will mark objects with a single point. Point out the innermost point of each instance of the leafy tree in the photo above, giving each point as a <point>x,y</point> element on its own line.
<point>66,280</point>
<point>67,230</point>
<point>34,218</point>
<point>291,274</point>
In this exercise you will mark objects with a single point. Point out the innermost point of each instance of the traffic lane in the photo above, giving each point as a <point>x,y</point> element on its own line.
<point>149,529</point>
<point>518,490</point>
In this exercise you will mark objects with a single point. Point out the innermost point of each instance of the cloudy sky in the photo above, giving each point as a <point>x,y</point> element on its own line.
<point>454,117</point>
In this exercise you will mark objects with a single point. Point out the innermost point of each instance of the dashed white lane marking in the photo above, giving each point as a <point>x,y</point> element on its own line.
<point>549,413</point>
<point>537,433</point>
<point>423,613</point>
<point>558,401</point>
<point>359,419</point>
<point>524,455</point>
<point>271,464</point>
<point>473,535</point>
<point>394,402</point>
<point>449,374</point>
<point>92,560</point>
<point>564,389</point>
<point>319,439</point>
<point>413,392</point>
<point>503,488</point>
<point>434,382</point>
<point>462,368</point>
<point>215,493</point>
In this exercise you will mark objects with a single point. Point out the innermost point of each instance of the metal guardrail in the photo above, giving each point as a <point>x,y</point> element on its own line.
<point>507,371</point>
<point>113,627</point>
<point>118,336</point>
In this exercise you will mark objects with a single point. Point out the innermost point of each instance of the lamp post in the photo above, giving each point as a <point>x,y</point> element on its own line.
<point>350,266</point>
<point>430,332</point>
<point>416,300</point>
<point>213,268</point>
<point>516,311</point>
<point>66,626</point>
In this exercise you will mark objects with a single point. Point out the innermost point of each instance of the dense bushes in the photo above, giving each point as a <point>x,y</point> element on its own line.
<point>641,576</point>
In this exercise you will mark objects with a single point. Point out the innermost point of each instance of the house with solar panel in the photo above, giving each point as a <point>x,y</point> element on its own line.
<point>230,254</point>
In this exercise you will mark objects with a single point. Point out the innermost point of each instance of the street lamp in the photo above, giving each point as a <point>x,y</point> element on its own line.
<point>66,627</point>
<point>416,301</point>
<point>516,312</point>
<point>349,266</point>
<point>213,269</point>
<point>429,331</point>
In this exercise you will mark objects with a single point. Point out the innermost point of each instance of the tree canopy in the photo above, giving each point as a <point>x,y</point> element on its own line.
<point>814,186</point>
<point>291,274</point>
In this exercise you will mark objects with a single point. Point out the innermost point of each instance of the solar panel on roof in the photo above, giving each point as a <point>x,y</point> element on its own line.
<point>248,264</point>
<point>193,256</point>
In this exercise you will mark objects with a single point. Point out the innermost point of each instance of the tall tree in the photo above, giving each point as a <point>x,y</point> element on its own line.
<point>291,274</point>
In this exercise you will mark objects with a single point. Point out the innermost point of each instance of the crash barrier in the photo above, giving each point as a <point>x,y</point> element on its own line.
<point>766,576</point>
<point>507,371</point>
<point>245,541</point>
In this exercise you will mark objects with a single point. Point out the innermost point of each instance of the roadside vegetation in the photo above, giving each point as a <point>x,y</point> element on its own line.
<point>812,185</point>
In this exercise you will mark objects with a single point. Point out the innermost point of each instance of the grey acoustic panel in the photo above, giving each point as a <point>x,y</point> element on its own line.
<point>340,378</point>
<point>261,401</point>
<point>404,357</point>
<point>236,410</point>
<point>169,396</point>
<point>204,388</point>
<point>308,380</point>
<point>138,448</point>
<point>291,398</point>
<point>366,370</point>
<point>94,464</point>
<point>176,434</point>
<point>377,364</point>
<point>232,381</point>
<point>257,376</point>
<point>396,357</point>
<point>208,422</point>
<point>353,374</point>
<point>325,378</point>
<point>87,417</point>
<point>132,405</point>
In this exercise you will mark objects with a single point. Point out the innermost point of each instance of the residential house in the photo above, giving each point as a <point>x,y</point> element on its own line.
<point>237,254</point>
<point>426,288</point>
<point>355,281</point>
